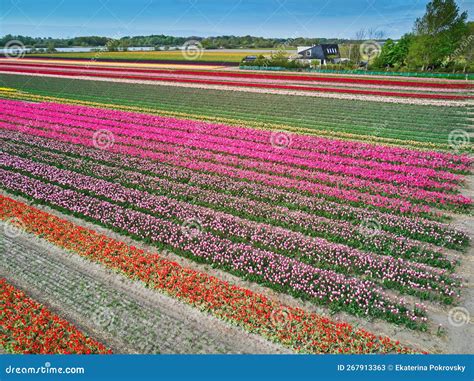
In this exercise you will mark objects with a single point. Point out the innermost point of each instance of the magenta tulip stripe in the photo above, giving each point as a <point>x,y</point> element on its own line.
<point>400,197</point>
<point>345,181</point>
<point>312,225</point>
<point>330,150</point>
<point>349,226</point>
<point>218,192</point>
<point>253,149</point>
<point>346,166</point>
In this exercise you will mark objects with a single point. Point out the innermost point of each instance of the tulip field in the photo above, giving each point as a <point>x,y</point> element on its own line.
<point>29,327</point>
<point>277,213</point>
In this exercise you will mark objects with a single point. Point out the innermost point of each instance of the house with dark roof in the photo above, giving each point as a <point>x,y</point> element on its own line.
<point>324,52</point>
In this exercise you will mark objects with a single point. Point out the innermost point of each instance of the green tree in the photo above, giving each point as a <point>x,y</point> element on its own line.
<point>279,58</point>
<point>401,50</point>
<point>113,45</point>
<point>385,59</point>
<point>124,45</point>
<point>393,53</point>
<point>437,34</point>
<point>463,56</point>
<point>50,48</point>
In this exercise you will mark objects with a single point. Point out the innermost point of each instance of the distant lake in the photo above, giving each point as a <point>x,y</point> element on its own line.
<point>88,49</point>
<point>77,49</point>
<point>80,49</point>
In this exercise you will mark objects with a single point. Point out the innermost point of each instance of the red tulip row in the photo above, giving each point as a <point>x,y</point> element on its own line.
<point>295,328</point>
<point>29,327</point>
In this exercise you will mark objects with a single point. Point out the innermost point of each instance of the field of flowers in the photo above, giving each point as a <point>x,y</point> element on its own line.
<point>410,125</point>
<point>301,84</point>
<point>304,332</point>
<point>29,327</point>
<point>170,55</point>
<point>345,226</point>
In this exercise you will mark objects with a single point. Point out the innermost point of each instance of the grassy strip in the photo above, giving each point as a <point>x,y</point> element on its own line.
<point>173,55</point>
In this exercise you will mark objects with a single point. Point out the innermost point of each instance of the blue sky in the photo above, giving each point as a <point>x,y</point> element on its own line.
<point>267,18</point>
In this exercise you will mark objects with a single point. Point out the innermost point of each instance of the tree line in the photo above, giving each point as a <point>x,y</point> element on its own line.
<point>159,41</point>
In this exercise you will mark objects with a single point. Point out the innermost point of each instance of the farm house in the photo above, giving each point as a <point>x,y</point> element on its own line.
<point>323,52</point>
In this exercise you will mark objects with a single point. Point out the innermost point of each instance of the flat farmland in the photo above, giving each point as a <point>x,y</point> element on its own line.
<point>170,55</point>
<point>283,213</point>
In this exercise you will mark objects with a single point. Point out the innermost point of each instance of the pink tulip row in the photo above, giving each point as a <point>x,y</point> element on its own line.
<point>309,143</point>
<point>344,195</point>
<point>301,145</point>
<point>347,175</point>
<point>412,193</point>
<point>322,286</point>
<point>377,188</point>
<point>187,130</point>
<point>413,227</point>
<point>381,242</point>
<point>315,251</point>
